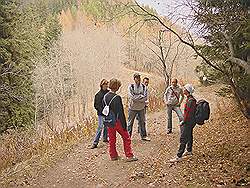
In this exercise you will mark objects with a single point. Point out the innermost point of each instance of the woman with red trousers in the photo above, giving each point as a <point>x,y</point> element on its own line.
<point>120,125</point>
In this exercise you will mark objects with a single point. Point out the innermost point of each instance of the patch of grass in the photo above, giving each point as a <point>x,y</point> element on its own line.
<point>16,147</point>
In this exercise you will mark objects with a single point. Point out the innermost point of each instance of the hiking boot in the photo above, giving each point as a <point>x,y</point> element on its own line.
<point>131,159</point>
<point>115,158</point>
<point>146,138</point>
<point>187,154</point>
<point>177,159</point>
<point>93,146</point>
<point>169,131</point>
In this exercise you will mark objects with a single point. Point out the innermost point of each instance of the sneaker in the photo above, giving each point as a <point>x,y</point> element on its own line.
<point>93,146</point>
<point>115,158</point>
<point>177,159</point>
<point>131,159</point>
<point>169,131</point>
<point>187,153</point>
<point>145,138</point>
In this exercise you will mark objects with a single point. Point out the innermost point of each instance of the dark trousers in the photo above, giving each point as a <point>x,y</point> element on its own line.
<point>131,117</point>
<point>137,118</point>
<point>186,139</point>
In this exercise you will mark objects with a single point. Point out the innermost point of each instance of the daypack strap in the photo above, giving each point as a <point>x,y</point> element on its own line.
<point>143,87</point>
<point>109,101</point>
<point>174,93</point>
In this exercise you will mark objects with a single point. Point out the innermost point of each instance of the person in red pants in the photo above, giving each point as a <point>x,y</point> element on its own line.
<point>114,102</point>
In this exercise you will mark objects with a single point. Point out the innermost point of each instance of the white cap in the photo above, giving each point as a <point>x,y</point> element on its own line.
<point>189,88</point>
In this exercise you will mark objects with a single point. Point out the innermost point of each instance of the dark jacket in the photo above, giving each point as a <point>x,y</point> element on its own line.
<point>189,110</point>
<point>116,106</point>
<point>98,101</point>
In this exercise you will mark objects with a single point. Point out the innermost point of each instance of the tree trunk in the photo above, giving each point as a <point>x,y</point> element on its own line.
<point>241,104</point>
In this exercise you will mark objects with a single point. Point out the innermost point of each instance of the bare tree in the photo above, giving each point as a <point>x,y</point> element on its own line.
<point>207,16</point>
<point>163,53</point>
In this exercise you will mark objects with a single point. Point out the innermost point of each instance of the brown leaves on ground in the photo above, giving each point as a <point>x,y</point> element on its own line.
<point>221,148</point>
<point>220,151</point>
<point>220,157</point>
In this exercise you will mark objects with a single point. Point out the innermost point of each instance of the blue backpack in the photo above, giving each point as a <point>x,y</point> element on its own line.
<point>109,115</point>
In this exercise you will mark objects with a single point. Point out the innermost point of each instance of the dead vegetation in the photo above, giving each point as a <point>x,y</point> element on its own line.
<point>221,150</point>
<point>221,154</point>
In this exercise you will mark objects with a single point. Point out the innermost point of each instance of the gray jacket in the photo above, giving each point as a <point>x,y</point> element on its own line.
<point>137,96</point>
<point>172,95</point>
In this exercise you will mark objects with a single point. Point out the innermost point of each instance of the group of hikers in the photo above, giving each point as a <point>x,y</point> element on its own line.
<point>107,101</point>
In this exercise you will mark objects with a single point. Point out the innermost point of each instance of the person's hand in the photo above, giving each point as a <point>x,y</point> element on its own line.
<point>141,96</point>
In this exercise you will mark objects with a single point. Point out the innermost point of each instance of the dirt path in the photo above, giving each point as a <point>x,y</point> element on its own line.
<point>84,167</point>
<point>92,168</point>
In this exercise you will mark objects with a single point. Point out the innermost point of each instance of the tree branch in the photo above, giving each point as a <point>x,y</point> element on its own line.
<point>233,59</point>
<point>180,38</point>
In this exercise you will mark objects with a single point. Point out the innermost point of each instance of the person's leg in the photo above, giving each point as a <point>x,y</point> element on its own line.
<point>183,141</point>
<point>138,123</point>
<point>169,114</point>
<point>145,112</point>
<point>141,116</point>
<point>105,133</point>
<point>137,118</point>
<point>112,142</point>
<point>179,113</point>
<point>190,139</point>
<point>98,131</point>
<point>131,118</point>
<point>126,139</point>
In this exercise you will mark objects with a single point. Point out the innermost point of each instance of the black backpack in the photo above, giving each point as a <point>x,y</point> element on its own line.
<point>202,112</point>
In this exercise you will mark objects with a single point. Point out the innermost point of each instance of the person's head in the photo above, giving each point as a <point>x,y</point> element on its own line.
<point>114,84</point>
<point>174,82</point>
<point>137,78</point>
<point>188,89</point>
<point>104,84</point>
<point>146,81</point>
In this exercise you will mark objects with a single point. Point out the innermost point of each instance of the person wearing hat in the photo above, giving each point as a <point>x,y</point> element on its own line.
<point>173,98</point>
<point>137,94</point>
<point>187,125</point>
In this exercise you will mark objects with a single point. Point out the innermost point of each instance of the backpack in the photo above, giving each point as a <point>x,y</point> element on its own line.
<point>202,112</point>
<point>109,116</point>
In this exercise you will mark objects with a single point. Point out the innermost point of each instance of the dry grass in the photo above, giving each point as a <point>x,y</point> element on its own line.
<point>19,146</point>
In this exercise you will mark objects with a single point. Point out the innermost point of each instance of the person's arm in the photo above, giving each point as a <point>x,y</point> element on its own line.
<point>132,95</point>
<point>96,102</point>
<point>144,96</point>
<point>166,95</point>
<point>121,112</point>
<point>181,97</point>
<point>147,100</point>
<point>189,107</point>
